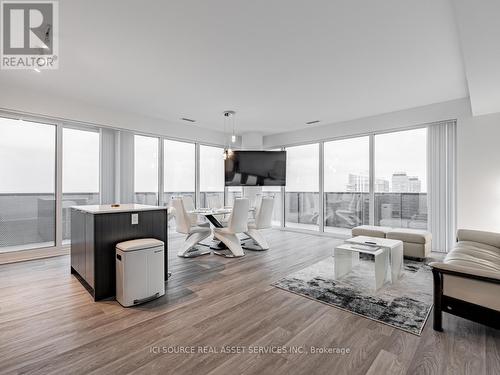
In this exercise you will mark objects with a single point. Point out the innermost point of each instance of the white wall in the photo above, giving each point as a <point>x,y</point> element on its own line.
<point>38,103</point>
<point>252,141</point>
<point>478,153</point>
<point>479,31</point>
<point>479,172</point>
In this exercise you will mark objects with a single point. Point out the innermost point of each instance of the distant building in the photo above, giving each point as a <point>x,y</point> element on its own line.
<point>381,185</point>
<point>361,183</point>
<point>415,185</point>
<point>358,183</point>
<point>400,182</point>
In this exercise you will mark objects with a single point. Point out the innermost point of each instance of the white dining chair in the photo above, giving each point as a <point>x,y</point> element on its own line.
<point>263,218</point>
<point>189,207</point>
<point>195,233</point>
<point>237,223</point>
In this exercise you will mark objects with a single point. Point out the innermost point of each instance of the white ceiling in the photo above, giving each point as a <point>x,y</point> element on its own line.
<point>479,28</point>
<point>277,63</point>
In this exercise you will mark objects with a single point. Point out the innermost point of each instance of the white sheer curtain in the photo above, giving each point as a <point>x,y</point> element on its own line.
<point>441,159</point>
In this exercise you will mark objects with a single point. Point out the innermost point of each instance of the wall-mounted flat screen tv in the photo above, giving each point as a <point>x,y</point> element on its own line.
<point>256,168</point>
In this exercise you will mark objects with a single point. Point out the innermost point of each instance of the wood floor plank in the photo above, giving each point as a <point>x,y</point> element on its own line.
<point>492,346</point>
<point>385,363</point>
<point>254,362</point>
<point>49,323</point>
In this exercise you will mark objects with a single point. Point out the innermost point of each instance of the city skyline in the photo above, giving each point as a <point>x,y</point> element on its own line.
<point>400,182</point>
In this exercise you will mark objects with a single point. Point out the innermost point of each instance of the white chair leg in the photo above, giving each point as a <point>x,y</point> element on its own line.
<point>233,244</point>
<point>260,243</point>
<point>188,248</point>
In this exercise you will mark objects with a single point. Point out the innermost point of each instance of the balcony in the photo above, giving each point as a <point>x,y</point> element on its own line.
<point>213,199</point>
<point>27,220</point>
<point>346,210</point>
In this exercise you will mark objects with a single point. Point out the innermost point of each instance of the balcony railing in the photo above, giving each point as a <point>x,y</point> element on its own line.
<point>213,199</point>
<point>401,210</point>
<point>348,210</point>
<point>27,220</point>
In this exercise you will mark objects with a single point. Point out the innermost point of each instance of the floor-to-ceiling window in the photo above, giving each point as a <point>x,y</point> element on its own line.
<point>80,176</point>
<point>401,179</point>
<point>179,166</point>
<point>274,192</point>
<point>28,180</point>
<point>346,184</point>
<point>232,193</point>
<point>302,187</point>
<point>27,185</point>
<point>211,177</point>
<point>145,170</point>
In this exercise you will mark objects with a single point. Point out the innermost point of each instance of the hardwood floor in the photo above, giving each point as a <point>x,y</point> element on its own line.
<point>50,324</point>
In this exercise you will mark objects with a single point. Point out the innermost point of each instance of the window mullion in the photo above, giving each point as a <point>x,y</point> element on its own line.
<point>372,181</point>
<point>58,190</point>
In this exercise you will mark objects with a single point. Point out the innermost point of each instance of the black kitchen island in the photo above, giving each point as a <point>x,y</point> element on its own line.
<point>95,231</point>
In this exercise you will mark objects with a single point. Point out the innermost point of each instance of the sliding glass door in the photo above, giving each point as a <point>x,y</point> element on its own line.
<point>401,179</point>
<point>179,169</point>
<point>302,189</point>
<point>378,179</point>
<point>146,170</point>
<point>346,184</point>
<point>211,177</point>
<point>27,185</point>
<point>80,177</point>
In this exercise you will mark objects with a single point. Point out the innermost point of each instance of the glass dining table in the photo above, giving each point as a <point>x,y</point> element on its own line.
<point>214,216</point>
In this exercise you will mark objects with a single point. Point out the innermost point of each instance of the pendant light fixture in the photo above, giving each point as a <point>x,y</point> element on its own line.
<point>233,136</point>
<point>228,117</point>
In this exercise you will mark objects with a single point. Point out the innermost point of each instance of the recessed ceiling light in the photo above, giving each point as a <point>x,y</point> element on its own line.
<point>312,122</point>
<point>188,119</point>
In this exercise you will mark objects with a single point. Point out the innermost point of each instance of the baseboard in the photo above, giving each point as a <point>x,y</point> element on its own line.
<point>24,255</point>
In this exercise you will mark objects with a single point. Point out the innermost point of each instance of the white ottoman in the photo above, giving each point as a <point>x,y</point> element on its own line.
<point>370,231</point>
<point>416,243</point>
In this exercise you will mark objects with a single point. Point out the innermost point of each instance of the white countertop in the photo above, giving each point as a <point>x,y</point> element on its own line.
<point>107,209</point>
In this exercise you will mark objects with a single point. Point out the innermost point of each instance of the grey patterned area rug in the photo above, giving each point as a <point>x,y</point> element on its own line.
<point>405,304</point>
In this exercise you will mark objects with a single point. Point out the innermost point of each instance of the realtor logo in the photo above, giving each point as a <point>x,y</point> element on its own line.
<point>29,37</point>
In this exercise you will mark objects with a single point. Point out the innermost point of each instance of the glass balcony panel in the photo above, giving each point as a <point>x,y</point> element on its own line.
<point>346,184</point>
<point>401,179</point>
<point>302,190</point>
<point>179,163</point>
<point>146,170</point>
<point>27,185</point>
<point>211,177</point>
<point>80,173</point>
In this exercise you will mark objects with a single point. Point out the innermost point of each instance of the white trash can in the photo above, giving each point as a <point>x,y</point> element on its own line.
<point>140,271</point>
